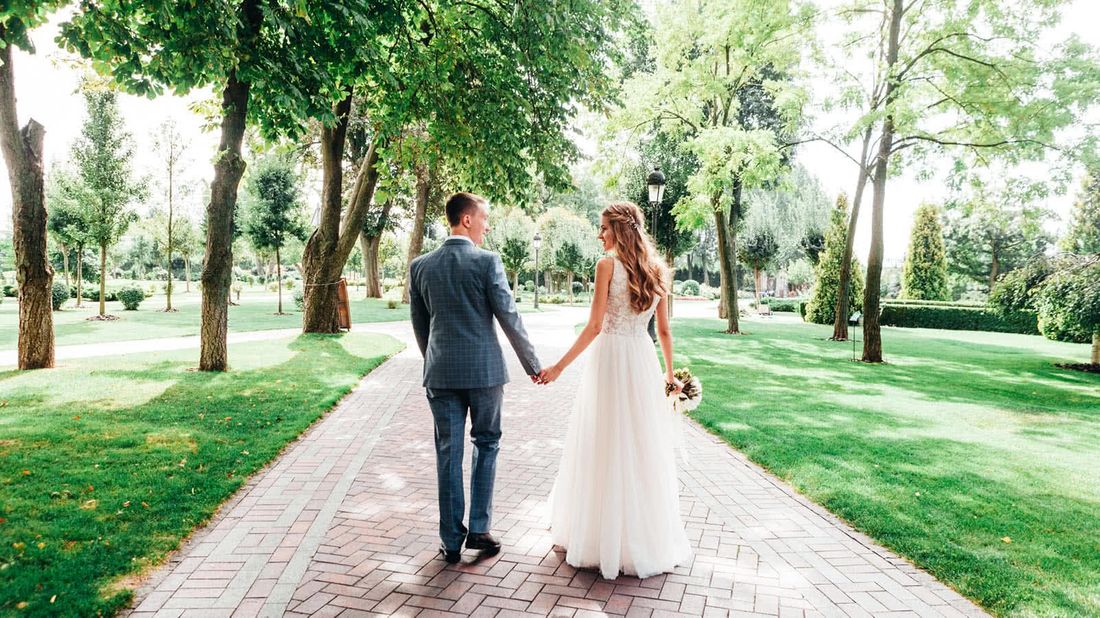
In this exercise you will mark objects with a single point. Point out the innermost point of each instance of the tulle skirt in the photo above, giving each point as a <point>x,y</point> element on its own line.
<point>616,502</point>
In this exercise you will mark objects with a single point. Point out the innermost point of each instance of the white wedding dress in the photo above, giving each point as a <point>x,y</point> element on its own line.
<point>616,502</point>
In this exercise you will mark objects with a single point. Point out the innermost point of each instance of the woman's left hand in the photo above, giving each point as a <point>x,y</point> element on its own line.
<point>677,386</point>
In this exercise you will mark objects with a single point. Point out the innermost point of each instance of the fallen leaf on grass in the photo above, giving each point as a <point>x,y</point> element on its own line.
<point>1005,539</point>
<point>90,504</point>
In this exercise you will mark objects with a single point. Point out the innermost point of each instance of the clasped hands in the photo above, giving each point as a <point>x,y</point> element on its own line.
<point>552,372</point>
<point>547,375</point>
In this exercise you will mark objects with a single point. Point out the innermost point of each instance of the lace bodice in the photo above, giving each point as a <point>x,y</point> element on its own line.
<point>621,319</point>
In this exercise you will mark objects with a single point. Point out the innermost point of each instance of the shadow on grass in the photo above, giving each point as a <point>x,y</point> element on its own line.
<point>91,494</point>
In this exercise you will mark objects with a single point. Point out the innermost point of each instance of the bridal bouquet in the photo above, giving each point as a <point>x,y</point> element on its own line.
<point>691,395</point>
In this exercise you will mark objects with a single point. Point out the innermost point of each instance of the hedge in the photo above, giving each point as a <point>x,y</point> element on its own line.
<point>783,304</point>
<point>957,317</point>
<point>933,303</point>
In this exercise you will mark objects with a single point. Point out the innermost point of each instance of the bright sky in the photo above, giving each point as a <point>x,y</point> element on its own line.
<point>46,90</point>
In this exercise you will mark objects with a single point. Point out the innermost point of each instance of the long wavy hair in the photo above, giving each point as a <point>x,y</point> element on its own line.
<point>647,274</point>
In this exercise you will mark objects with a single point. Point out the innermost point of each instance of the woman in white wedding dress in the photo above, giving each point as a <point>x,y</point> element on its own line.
<point>616,502</point>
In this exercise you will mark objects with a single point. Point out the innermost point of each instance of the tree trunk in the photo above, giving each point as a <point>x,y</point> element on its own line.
<point>569,284</point>
<point>840,320</point>
<point>279,276</point>
<point>168,287</point>
<point>217,272</point>
<point>80,276</point>
<point>756,285</point>
<point>1096,348</point>
<point>186,273</point>
<point>331,243</point>
<point>727,277</point>
<point>33,275</point>
<point>994,268</point>
<point>416,239</point>
<point>369,290</point>
<point>872,334</point>
<point>670,259</point>
<point>65,266</point>
<point>102,279</point>
<point>371,280</point>
<point>515,284</point>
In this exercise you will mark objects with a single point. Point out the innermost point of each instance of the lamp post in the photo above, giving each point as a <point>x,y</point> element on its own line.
<point>655,182</point>
<point>537,242</point>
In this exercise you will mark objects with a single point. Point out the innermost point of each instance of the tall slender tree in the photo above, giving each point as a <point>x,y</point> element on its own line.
<point>103,155</point>
<point>924,276</point>
<point>827,273</point>
<point>274,214</point>
<point>171,147</point>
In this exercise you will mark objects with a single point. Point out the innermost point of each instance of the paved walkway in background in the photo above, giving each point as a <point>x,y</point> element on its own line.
<point>344,524</point>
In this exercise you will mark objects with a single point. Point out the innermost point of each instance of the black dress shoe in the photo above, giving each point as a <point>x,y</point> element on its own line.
<point>483,542</point>
<point>452,556</point>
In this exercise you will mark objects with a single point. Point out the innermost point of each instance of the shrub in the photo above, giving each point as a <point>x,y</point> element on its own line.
<point>958,317</point>
<point>529,286</point>
<point>578,287</point>
<point>131,297</point>
<point>59,293</point>
<point>690,288</point>
<point>92,293</point>
<point>391,304</point>
<point>299,300</point>
<point>1069,304</point>
<point>289,284</point>
<point>782,304</point>
<point>10,290</point>
<point>554,299</point>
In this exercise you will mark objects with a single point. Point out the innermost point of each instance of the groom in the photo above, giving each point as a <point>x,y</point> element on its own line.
<point>454,294</point>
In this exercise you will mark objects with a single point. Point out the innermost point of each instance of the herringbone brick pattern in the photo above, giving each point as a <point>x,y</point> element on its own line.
<point>344,524</point>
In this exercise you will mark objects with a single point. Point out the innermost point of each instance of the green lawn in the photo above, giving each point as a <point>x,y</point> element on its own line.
<point>256,312</point>
<point>106,466</point>
<point>969,453</point>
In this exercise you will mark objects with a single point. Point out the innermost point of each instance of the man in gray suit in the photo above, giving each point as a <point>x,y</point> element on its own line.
<point>454,294</point>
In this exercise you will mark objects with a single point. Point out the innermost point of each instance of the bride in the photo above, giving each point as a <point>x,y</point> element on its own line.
<point>616,503</point>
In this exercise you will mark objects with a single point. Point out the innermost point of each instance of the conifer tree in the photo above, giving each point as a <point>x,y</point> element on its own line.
<point>925,273</point>
<point>822,306</point>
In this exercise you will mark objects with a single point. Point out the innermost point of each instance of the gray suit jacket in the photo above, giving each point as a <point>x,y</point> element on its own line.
<point>455,292</point>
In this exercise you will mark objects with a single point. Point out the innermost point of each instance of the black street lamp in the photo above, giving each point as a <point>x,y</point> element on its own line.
<point>655,182</point>
<point>537,242</point>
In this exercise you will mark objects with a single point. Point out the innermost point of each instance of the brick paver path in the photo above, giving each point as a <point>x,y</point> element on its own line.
<point>344,524</point>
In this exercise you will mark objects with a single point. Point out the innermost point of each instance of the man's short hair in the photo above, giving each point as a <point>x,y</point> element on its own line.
<point>460,204</point>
